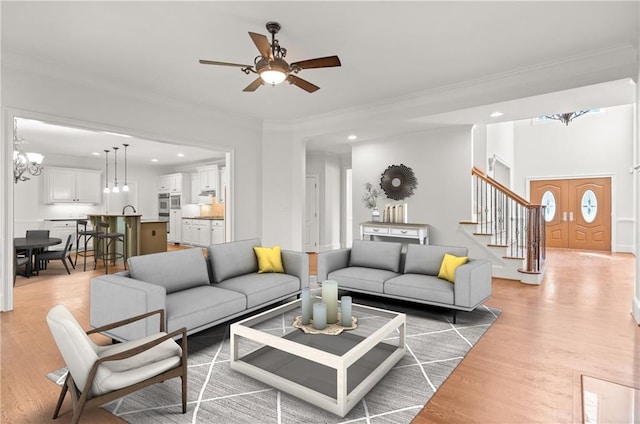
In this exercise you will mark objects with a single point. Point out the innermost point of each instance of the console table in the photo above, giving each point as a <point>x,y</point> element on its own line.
<point>391,229</point>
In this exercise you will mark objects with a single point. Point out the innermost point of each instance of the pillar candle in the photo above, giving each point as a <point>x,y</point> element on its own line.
<point>330,298</point>
<point>345,310</point>
<point>306,306</point>
<point>319,316</point>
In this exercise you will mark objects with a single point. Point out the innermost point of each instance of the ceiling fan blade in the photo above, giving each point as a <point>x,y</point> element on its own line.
<point>321,62</point>
<point>254,85</point>
<point>305,85</point>
<point>213,62</point>
<point>262,43</point>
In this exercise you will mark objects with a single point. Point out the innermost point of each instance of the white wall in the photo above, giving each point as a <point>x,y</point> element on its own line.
<point>102,107</point>
<point>283,187</point>
<point>598,144</point>
<point>441,161</point>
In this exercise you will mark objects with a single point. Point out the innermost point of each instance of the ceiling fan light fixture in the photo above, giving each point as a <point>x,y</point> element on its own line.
<point>274,72</point>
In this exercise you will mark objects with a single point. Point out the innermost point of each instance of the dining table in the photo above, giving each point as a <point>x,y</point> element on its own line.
<point>31,245</point>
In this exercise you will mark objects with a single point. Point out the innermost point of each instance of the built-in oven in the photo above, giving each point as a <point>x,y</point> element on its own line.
<point>174,201</point>
<point>163,204</point>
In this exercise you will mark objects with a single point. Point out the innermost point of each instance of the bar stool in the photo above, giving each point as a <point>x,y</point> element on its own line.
<point>86,236</point>
<point>105,240</point>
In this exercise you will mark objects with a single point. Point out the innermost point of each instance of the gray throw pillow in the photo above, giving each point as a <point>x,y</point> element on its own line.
<point>426,259</point>
<point>177,270</point>
<point>230,260</point>
<point>376,254</point>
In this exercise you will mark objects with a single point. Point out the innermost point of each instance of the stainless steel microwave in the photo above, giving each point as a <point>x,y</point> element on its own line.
<point>175,201</point>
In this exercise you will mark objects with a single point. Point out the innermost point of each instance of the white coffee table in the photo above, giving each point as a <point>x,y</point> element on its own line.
<point>330,372</point>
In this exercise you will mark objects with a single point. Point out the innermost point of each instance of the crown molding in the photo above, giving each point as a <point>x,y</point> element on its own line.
<point>57,71</point>
<point>616,62</point>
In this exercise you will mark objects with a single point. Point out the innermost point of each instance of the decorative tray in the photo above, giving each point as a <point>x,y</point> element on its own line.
<point>330,329</point>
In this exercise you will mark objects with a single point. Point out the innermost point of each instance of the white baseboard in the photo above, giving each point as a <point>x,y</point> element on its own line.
<point>635,309</point>
<point>625,248</point>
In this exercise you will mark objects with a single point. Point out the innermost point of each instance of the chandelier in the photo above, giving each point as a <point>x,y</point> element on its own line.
<point>24,162</point>
<point>565,118</point>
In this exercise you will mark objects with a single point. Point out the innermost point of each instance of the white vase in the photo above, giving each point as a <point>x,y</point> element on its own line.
<point>375,214</point>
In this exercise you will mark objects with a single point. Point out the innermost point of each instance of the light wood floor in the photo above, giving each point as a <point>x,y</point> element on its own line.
<point>526,368</point>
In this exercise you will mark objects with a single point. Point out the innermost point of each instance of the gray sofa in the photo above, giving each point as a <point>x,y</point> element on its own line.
<point>382,269</point>
<point>195,292</point>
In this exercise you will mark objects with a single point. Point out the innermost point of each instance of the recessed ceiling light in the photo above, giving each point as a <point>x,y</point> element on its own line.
<point>154,160</point>
<point>353,137</point>
<point>496,114</point>
<point>95,154</point>
<point>180,155</point>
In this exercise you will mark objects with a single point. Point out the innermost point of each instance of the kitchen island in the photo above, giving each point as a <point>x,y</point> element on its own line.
<point>153,236</point>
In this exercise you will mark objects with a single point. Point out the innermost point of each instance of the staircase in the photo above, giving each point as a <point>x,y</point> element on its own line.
<point>509,229</point>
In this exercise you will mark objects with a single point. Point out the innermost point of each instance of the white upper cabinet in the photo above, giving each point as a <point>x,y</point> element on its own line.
<point>68,185</point>
<point>209,178</point>
<point>164,184</point>
<point>175,184</point>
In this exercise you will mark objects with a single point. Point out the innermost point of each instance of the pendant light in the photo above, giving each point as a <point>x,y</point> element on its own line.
<point>106,167</point>
<point>115,184</point>
<point>125,187</point>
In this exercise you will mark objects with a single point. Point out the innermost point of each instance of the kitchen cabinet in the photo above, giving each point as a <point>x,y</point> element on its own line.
<point>195,188</point>
<point>175,226</point>
<point>61,228</point>
<point>200,232</point>
<point>69,185</point>
<point>217,231</point>
<point>164,184</point>
<point>209,177</point>
<point>175,183</point>
<point>186,231</point>
<point>196,232</point>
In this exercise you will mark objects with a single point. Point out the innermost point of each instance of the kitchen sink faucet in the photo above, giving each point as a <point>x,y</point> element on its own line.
<point>128,206</point>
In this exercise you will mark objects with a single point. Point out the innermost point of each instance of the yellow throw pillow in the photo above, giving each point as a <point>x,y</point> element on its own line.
<point>449,265</point>
<point>269,259</point>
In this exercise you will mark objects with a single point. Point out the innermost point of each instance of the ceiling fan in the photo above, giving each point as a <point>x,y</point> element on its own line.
<point>271,66</point>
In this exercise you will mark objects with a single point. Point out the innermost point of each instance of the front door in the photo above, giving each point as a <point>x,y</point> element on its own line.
<point>577,213</point>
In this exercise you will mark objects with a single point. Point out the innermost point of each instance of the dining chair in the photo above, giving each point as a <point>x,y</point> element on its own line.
<point>41,235</point>
<point>100,374</point>
<point>60,255</point>
<point>18,261</point>
<point>37,234</point>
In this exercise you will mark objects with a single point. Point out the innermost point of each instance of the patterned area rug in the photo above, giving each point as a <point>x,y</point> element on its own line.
<point>217,394</point>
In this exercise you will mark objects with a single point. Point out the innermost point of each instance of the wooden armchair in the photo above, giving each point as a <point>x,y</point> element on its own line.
<point>101,374</point>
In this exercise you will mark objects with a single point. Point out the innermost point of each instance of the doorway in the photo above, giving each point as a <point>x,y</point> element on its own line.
<point>577,212</point>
